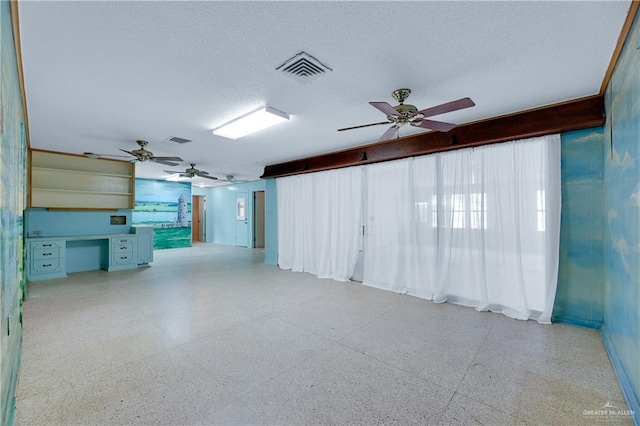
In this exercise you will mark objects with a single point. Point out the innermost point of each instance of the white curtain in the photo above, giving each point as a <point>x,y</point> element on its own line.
<point>319,218</point>
<point>478,227</point>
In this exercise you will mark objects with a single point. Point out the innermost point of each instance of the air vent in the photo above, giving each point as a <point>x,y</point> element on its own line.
<point>178,140</point>
<point>303,67</point>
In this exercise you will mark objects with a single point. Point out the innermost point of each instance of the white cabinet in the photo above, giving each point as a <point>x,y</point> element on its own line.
<point>145,243</point>
<point>68,181</point>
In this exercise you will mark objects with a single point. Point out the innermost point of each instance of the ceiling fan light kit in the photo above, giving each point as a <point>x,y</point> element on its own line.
<point>252,122</point>
<point>403,114</point>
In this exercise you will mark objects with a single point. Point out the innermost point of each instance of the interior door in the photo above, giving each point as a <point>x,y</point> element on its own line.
<point>202,214</point>
<point>195,217</point>
<point>258,219</point>
<point>242,220</point>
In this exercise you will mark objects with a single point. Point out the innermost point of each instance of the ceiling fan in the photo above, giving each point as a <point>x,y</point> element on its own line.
<point>402,114</point>
<point>141,154</point>
<point>232,179</point>
<point>191,172</point>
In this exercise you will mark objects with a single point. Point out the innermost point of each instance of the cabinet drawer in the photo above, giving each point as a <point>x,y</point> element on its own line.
<point>122,248</point>
<point>45,253</point>
<point>46,244</point>
<point>45,266</point>
<point>121,259</point>
<point>121,245</point>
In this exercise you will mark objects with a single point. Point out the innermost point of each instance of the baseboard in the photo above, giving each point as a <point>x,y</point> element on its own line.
<point>273,262</point>
<point>630,396</point>
<point>595,325</point>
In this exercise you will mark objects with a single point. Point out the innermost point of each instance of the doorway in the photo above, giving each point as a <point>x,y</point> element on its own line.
<point>258,219</point>
<point>242,220</point>
<point>198,218</point>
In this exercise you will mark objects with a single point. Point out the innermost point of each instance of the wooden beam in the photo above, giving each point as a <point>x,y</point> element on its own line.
<point>573,115</point>
<point>624,33</point>
<point>15,20</point>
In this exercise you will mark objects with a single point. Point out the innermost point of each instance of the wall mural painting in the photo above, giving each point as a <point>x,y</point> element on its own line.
<point>13,175</point>
<point>167,207</point>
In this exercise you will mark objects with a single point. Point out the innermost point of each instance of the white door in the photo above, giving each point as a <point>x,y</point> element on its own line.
<point>242,220</point>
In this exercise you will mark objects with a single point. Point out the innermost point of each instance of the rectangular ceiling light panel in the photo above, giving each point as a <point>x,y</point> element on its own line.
<point>176,178</point>
<point>251,123</point>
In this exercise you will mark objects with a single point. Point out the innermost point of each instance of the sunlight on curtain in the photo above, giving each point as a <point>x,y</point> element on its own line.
<point>478,227</point>
<point>319,217</point>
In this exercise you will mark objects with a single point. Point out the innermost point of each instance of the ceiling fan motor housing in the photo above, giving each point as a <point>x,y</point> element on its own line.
<point>407,113</point>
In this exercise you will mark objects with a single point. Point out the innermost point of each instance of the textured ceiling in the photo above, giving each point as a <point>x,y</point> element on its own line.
<point>100,75</point>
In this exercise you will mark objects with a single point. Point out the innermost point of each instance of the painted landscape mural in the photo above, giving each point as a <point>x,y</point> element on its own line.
<point>167,207</point>
<point>621,330</point>
<point>13,175</point>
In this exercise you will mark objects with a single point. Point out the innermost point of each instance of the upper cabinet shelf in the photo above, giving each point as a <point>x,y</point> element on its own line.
<point>88,183</point>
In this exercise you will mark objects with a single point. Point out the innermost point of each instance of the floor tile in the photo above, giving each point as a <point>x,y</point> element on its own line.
<point>248,354</point>
<point>342,386</point>
<point>212,335</point>
<point>466,411</point>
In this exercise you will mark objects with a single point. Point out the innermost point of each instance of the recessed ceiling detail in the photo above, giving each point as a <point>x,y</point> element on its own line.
<point>178,140</point>
<point>303,67</point>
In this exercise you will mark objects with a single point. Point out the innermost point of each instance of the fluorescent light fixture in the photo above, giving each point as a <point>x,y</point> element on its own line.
<point>176,178</point>
<point>252,122</point>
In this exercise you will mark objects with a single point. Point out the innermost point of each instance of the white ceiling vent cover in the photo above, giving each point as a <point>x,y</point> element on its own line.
<point>304,67</point>
<point>178,140</point>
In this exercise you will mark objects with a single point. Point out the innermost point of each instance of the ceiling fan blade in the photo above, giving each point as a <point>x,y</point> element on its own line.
<point>440,126</point>
<point>390,133</point>
<point>129,152</point>
<point>166,163</point>
<point>447,107</point>
<point>201,172</point>
<point>172,171</point>
<point>384,107</point>
<point>168,159</point>
<point>209,177</point>
<point>364,125</point>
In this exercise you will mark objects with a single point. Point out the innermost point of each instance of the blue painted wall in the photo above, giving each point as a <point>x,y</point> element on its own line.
<point>52,223</point>
<point>221,211</point>
<point>271,226</point>
<point>579,296</point>
<point>13,176</point>
<point>621,329</point>
<point>221,214</point>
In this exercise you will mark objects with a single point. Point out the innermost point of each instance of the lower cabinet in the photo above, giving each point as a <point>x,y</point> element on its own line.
<point>46,259</point>
<point>145,243</point>
<point>122,253</point>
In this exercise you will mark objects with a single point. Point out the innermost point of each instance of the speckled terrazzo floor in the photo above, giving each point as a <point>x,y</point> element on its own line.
<point>211,335</point>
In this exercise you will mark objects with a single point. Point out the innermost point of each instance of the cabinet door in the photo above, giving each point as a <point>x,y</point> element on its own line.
<point>145,245</point>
